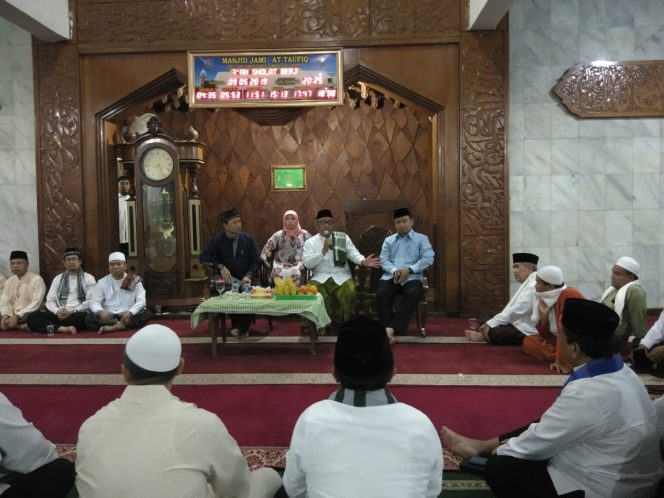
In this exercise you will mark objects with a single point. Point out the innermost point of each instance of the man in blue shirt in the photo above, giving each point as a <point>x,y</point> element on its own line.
<point>404,257</point>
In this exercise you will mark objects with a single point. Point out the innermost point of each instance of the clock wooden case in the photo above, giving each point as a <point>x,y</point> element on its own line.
<point>165,215</point>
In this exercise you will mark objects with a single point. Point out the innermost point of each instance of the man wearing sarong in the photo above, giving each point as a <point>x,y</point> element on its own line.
<point>514,322</point>
<point>23,293</point>
<point>68,298</point>
<point>326,255</point>
<point>628,299</point>
<point>550,296</point>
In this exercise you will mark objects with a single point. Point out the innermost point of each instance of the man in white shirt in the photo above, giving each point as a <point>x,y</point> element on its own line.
<point>30,461</point>
<point>149,444</point>
<point>514,322</point>
<point>124,187</point>
<point>599,437</point>
<point>23,293</point>
<point>68,298</point>
<point>118,301</point>
<point>326,255</point>
<point>649,355</point>
<point>361,442</point>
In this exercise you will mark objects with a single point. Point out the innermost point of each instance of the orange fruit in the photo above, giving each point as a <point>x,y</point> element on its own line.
<point>313,289</point>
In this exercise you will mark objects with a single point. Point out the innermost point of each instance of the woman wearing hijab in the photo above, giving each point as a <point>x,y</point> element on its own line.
<point>286,247</point>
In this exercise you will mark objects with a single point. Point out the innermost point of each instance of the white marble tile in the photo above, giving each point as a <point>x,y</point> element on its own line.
<point>563,124</point>
<point>564,193</point>
<point>661,263</point>
<point>20,62</point>
<point>647,12</point>
<point>6,98</point>
<point>646,127</point>
<point>590,290</point>
<point>7,203</point>
<point>517,49</point>
<point>592,228</point>
<point>564,156</point>
<point>651,288</point>
<point>26,169</point>
<point>648,258</point>
<point>536,229</point>
<point>564,229</point>
<point>537,156</point>
<point>646,154</point>
<point>516,193</point>
<point>620,13</point>
<point>591,263</point>
<point>537,46</point>
<point>538,82</point>
<point>657,303</point>
<point>564,46</point>
<point>537,14</point>
<point>564,14</point>
<point>567,258</point>
<point>516,229</point>
<point>517,16</point>
<point>26,200</point>
<point>645,227</point>
<point>592,191</point>
<point>536,193</point>
<point>592,155</point>
<point>515,160</point>
<point>592,13</point>
<point>24,132</point>
<point>7,167</point>
<point>536,121</point>
<point>619,191</point>
<point>515,122</point>
<point>589,128</point>
<point>649,42</point>
<point>6,132</point>
<point>621,128</point>
<point>23,97</point>
<point>619,155</point>
<point>592,44</point>
<point>27,237</point>
<point>646,191</point>
<point>619,228</point>
<point>544,254</point>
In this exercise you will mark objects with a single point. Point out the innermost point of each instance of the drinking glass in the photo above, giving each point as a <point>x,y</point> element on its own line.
<point>220,285</point>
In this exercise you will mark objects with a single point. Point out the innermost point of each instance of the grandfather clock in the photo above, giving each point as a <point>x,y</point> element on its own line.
<point>165,215</point>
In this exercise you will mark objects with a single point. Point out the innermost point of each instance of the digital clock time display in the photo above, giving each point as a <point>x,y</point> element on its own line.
<point>265,78</point>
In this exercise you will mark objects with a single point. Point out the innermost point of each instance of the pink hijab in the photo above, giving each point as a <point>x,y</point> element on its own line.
<point>295,230</point>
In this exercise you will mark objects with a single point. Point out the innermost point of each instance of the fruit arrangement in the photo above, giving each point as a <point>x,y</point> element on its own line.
<point>261,293</point>
<point>287,287</point>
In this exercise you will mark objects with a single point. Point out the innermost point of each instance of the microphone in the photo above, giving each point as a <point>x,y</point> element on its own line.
<point>327,234</point>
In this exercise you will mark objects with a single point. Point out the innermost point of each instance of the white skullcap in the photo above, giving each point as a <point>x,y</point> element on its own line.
<point>629,264</point>
<point>551,275</point>
<point>116,256</point>
<point>155,348</point>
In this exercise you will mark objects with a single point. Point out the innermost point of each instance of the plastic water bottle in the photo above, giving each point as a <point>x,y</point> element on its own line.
<point>235,285</point>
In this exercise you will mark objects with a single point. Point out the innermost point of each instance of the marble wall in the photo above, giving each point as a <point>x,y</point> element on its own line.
<point>584,192</point>
<point>18,186</point>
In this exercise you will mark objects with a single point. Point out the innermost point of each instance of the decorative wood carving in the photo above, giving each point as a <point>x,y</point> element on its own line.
<point>154,24</point>
<point>623,89</point>
<point>483,173</point>
<point>60,190</point>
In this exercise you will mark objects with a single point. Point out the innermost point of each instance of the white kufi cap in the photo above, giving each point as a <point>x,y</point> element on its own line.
<point>116,256</point>
<point>551,275</point>
<point>155,348</point>
<point>629,264</point>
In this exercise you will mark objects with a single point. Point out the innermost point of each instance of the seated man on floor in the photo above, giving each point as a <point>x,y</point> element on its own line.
<point>327,254</point>
<point>514,323</point>
<point>118,301</point>
<point>600,435</point>
<point>68,298</point>
<point>628,299</point>
<point>30,461</point>
<point>361,442</point>
<point>148,443</point>
<point>550,296</point>
<point>404,257</point>
<point>234,254</point>
<point>649,355</point>
<point>23,293</point>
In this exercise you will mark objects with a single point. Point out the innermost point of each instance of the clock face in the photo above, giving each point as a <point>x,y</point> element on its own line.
<point>157,164</point>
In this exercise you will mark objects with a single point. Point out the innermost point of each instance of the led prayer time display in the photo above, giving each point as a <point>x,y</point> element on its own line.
<point>267,78</point>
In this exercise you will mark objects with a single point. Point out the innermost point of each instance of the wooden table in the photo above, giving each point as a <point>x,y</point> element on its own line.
<point>239,303</point>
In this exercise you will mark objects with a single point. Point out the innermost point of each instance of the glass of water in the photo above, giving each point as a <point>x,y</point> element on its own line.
<point>220,285</point>
<point>50,329</point>
<point>235,286</point>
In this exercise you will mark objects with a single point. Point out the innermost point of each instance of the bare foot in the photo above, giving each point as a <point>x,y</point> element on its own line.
<point>67,330</point>
<point>474,335</point>
<point>390,335</point>
<point>23,326</point>
<point>464,446</point>
<point>105,329</point>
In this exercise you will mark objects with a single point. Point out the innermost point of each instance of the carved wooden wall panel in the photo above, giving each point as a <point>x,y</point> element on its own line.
<point>624,89</point>
<point>349,155</point>
<point>59,153</point>
<point>154,24</point>
<point>484,206</point>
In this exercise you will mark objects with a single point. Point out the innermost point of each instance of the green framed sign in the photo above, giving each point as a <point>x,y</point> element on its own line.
<point>287,177</point>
